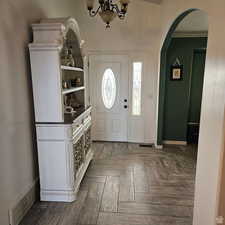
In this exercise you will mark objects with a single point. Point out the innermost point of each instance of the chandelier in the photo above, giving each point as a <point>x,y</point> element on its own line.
<point>108,10</point>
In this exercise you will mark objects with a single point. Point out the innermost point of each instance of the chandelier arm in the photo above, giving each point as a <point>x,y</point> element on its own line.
<point>120,14</point>
<point>115,6</point>
<point>94,13</point>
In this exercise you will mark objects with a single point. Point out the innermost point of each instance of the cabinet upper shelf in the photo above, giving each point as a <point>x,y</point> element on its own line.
<point>70,90</point>
<point>72,68</point>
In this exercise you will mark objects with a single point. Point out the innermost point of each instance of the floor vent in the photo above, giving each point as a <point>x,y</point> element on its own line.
<point>19,210</point>
<point>146,145</point>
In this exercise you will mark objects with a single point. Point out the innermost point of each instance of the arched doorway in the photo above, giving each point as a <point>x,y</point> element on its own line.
<point>163,79</point>
<point>164,73</point>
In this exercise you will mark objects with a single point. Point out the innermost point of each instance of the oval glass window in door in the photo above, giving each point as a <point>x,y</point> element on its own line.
<point>108,88</point>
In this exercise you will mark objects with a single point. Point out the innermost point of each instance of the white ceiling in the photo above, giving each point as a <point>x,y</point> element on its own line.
<point>196,21</point>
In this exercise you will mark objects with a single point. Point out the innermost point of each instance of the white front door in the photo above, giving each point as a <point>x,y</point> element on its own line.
<point>109,97</point>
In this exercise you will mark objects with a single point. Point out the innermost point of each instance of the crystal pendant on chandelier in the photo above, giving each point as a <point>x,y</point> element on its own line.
<point>108,10</point>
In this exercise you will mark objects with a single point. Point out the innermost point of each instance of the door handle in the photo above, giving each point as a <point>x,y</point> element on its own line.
<point>125,107</point>
<point>125,100</point>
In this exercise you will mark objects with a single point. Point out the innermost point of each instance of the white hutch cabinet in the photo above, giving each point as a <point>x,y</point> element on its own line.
<point>62,114</point>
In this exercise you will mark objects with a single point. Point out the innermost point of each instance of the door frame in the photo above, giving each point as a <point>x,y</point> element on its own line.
<point>203,50</point>
<point>147,134</point>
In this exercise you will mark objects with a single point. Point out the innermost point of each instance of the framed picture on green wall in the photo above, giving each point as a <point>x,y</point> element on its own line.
<point>176,72</point>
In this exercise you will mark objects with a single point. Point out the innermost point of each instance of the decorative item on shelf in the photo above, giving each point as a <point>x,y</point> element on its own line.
<point>176,72</point>
<point>74,103</point>
<point>78,81</point>
<point>108,10</point>
<point>78,62</point>
<point>71,100</point>
<point>73,82</point>
<point>70,61</point>
<point>67,56</point>
<point>66,84</point>
<point>69,110</point>
<point>64,56</point>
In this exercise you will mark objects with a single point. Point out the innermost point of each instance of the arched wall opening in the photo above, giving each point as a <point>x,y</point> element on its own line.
<point>162,81</point>
<point>163,74</point>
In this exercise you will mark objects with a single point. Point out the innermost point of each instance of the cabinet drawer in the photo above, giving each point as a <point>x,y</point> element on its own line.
<point>54,132</point>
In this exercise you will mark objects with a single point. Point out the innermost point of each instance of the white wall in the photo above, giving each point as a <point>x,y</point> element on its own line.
<point>212,118</point>
<point>18,161</point>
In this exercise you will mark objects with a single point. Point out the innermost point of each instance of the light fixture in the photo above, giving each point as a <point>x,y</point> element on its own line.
<point>108,10</point>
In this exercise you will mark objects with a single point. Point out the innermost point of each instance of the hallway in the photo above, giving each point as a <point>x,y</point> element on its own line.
<point>128,185</point>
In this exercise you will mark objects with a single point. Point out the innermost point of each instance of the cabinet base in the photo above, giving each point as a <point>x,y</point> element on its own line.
<point>68,196</point>
<point>58,196</point>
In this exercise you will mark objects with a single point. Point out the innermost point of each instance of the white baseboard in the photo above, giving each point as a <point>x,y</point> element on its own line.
<point>23,204</point>
<point>158,146</point>
<point>58,196</point>
<point>170,142</point>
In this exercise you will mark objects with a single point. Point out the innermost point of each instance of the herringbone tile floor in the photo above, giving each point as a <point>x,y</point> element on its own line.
<point>128,185</point>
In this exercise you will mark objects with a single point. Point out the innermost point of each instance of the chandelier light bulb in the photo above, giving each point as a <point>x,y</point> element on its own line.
<point>90,4</point>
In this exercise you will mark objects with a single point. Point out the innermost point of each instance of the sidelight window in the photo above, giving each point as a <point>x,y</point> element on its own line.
<point>136,90</point>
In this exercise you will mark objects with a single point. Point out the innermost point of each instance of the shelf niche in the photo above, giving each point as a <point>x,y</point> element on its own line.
<point>73,81</point>
<point>71,44</point>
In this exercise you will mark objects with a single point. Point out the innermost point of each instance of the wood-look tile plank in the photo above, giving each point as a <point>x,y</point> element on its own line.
<point>36,212</point>
<point>127,185</point>
<point>119,149</point>
<point>140,177</point>
<point>133,219</point>
<point>110,195</point>
<point>171,190</point>
<point>154,209</point>
<point>52,214</point>
<point>87,181</point>
<point>164,200</point>
<point>71,214</point>
<point>103,171</point>
<point>97,148</point>
<point>90,209</point>
<point>106,151</point>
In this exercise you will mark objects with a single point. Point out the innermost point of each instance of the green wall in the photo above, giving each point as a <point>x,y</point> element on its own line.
<point>177,93</point>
